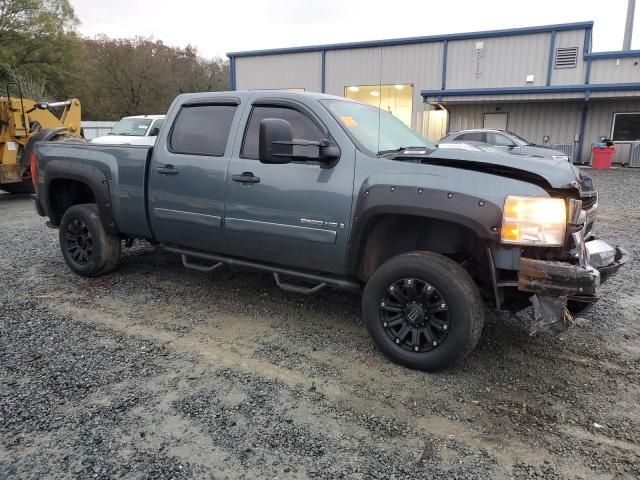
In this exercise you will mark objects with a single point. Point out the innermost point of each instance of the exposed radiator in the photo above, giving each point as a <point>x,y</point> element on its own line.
<point>634,155</point>
<point>566,148</point>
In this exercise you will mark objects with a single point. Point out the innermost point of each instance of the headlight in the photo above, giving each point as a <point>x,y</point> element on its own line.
<point>560,157</point>
<point>538,221</point>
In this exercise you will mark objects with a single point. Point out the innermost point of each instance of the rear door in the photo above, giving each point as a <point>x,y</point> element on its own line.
<point>295,214</point>
<point>188,171</point>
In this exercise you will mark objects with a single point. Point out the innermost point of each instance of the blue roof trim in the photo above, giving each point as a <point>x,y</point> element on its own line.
<point>552,48</point>
<point>599,87</point>
<point>414,40</point>
<point>617,54</point>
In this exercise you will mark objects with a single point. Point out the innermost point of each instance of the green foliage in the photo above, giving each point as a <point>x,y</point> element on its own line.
<point>142,76</point>
<point>40,49</point>
<point>37,40</point>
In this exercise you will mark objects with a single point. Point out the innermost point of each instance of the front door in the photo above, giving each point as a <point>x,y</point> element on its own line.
<point>295,214</point>
<point>187,177</point>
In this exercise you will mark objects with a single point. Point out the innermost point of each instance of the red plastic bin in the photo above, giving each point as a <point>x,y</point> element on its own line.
<point>602,157</point>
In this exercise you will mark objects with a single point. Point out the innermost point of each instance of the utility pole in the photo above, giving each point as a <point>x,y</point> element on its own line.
<point>628,27</point>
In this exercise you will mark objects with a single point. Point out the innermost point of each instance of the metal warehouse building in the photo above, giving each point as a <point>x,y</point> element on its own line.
<point>543,83</point>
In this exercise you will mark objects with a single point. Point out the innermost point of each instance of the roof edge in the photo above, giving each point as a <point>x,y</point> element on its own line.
<point>414,40</point>
<point>613,54</point>
<point>593,87</point>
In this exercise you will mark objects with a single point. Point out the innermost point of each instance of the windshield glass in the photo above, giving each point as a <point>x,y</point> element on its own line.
<point>376,130</point>
<point>135,127</point>
<point>520,140</point>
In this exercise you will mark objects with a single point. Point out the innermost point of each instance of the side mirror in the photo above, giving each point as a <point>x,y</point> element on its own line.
<point>277,145</point>
<point>154,132</point>
<point>275,141</point>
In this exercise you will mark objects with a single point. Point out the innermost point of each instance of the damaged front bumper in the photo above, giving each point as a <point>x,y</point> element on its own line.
<point>560,289</point>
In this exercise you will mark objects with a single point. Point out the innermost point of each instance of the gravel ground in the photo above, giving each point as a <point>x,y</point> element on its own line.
<point>160,372</point>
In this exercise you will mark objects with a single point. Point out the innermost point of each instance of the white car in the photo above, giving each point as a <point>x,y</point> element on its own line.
<point>136,130</point>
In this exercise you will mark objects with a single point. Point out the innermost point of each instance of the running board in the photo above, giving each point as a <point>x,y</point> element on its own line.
<point>297,288</point>
<point>200,268</point>
<point>321,281</point>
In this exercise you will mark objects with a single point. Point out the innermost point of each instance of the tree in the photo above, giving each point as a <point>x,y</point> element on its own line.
<point>142,76</point>
<point>38,41</point>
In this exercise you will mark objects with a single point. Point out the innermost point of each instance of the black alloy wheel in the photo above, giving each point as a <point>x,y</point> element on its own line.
<point>415,315</point>
<point>79,242</point>
<point>423,310</point>
<point>86,246</point>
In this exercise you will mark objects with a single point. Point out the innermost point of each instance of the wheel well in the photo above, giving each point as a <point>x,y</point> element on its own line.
<point>391,235</point>
<point>64,193</point>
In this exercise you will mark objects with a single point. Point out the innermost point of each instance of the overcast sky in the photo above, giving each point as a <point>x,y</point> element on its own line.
<point>216,28</point>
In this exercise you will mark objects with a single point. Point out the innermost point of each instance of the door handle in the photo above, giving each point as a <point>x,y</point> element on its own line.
<point>246,177</point>
<point>167,170</point>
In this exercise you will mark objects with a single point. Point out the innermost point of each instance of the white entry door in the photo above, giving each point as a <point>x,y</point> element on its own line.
<point>496,121</point>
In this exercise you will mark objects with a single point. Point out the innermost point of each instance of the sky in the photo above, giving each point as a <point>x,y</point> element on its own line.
<point>218,27</point>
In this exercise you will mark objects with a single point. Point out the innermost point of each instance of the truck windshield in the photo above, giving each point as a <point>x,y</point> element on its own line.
<point>376,130</point>
<point>135,127</point>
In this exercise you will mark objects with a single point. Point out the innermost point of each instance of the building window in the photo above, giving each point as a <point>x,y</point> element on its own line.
<point>396,98</point>
<point>626,127</point>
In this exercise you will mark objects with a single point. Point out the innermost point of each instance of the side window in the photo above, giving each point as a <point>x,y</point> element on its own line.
<point>499,140</point>
<point>472,136</point>
<point>202,130</point>
<point>303,127</point>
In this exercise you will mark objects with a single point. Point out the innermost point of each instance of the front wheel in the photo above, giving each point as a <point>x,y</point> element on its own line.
<point>86,246</point>
<point>423,310</point>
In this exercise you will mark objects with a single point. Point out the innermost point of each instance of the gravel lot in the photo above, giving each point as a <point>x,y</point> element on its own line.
<point>160,372</point>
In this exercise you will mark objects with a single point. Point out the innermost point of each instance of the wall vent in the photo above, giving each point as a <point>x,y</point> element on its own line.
<point>566,57</point>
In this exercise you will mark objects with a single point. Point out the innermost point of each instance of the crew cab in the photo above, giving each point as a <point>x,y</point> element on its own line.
<point>327,192</point>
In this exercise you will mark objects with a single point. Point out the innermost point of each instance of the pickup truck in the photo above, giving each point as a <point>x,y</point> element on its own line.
<point>326,192</point>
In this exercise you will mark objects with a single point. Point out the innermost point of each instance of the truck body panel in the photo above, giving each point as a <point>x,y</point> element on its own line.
<point>327,208</point>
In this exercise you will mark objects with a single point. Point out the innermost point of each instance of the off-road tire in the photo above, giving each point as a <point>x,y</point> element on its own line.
<point>465,308</point>
<point>104,248</point>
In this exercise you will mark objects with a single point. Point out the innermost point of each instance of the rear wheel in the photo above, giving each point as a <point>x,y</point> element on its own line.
<point>423,310</point>
<point>86,246</point>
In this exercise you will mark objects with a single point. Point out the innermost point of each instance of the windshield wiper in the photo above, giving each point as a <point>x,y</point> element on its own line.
<point>400,149</point>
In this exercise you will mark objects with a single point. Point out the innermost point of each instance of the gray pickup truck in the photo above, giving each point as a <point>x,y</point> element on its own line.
<point>326,192</point>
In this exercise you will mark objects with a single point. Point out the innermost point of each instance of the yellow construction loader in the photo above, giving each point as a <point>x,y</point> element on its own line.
<point>22,123</point>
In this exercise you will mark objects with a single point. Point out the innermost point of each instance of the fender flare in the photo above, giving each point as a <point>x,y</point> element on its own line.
<point>91,176</point>
<point>477,214</point>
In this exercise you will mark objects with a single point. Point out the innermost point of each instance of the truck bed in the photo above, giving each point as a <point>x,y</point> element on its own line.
<point>123,168</point>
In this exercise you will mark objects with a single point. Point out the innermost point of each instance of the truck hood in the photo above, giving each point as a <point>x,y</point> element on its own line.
<point>546,172</point>
<point>540,151</point>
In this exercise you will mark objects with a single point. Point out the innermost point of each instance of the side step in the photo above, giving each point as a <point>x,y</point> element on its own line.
<point>320,281</point>
<point>200,268</point>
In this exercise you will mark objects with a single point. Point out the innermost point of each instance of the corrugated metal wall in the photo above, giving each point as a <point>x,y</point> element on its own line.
<point>569,76</point>
<point>503,61</point>
<point>600,121</point>
<point>387,66</point>
<point>611,70</point>
<point>292,70</point>
<point>560,121</point>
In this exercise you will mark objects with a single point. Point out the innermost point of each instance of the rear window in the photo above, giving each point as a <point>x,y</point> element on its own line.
<point>202,130</point>
<point>472,136</point>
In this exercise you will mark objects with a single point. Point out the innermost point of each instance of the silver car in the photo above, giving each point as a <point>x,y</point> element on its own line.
<point>506,141</point>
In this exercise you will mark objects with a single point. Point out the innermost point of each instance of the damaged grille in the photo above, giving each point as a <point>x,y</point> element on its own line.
<point>589,202</point>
